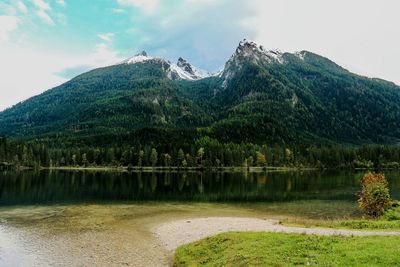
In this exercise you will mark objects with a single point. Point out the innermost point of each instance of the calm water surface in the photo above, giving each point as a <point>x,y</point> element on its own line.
<point>47,187</point>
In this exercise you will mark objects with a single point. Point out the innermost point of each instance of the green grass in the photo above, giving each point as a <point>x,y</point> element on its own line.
<point>389,221</point>
<point>367,224</point>
<point>276,249</point>
<point>329,214</point>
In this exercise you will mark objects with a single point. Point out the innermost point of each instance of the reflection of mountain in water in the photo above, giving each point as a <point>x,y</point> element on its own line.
<point>64,186</point>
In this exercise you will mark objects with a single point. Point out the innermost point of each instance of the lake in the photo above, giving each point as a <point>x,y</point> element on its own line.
<point>46,187</point>
<point>77,218</point>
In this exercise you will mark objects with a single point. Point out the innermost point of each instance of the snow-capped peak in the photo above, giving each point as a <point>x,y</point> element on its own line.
<point>188,72</point>
<point>181,70</point>
<point>184,65</point>
<point>250,49</point>
<point>141,57</point>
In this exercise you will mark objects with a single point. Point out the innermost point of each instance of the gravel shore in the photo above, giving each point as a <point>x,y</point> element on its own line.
<point>177,233</point>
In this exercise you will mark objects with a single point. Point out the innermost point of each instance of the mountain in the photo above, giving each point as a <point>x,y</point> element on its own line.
<point>261,96</point>
<point>182,70</point>
<point>303,96</point>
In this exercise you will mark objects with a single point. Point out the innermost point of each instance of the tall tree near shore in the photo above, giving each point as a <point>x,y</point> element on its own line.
<point>181,157</point>
<point>288,155</point>
<point>167,160</point>
<point>154,157</point>
<point>140,159</point>
<point>200,155</point>
<point>261,162</point>
<point>85,161</point>
<point>250,161</point>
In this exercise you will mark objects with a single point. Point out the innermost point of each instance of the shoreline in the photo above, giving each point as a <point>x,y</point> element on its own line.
<point>190,169</point>
<point>177,233</point>
<point>178,169</point>
<point>197,169</point>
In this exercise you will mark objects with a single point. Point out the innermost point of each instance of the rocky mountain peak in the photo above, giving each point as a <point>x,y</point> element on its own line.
<point>143,53</point>
<point>183,64</point>
<point>140,57</point>
<point>182,70</point>
<point>249,52</point>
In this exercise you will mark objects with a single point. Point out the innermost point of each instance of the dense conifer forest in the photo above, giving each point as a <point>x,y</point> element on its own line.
<point>204,153</point>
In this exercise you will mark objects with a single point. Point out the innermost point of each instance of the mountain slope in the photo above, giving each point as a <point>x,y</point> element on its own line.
<point>116,98</point>
<point>308,96</point>
<point>261,96</point>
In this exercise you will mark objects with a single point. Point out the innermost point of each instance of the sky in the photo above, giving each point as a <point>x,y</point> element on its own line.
<point>44,43</point>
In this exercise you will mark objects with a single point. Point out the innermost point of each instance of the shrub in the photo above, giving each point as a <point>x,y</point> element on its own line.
<point>374,199</point>
<point>392,214</point>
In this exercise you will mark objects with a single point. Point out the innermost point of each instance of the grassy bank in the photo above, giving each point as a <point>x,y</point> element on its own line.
<point>356,224</point>
<point>326,214</point>
<point>273,249</point>
<point>389,221</point>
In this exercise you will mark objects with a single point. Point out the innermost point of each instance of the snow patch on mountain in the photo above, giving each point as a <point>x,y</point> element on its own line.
<point>300,54</point>
<point>258,53</point>
<point>138,58</point>
<point>188,71</point>
<point>182,70</point>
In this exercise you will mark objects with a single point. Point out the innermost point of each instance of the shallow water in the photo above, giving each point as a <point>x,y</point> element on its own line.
<point>94,235</point>
<point>105,219</point>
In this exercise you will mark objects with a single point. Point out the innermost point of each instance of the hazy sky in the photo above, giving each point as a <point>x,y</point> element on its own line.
<point>43,43</point>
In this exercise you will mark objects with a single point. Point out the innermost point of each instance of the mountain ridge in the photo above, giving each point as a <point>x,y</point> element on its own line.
<point>261,96</point>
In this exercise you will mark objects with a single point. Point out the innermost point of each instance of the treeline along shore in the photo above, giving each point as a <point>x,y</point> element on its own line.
<point>205,153</point>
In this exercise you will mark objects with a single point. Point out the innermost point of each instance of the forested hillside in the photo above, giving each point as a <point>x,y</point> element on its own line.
<point>261,97</point>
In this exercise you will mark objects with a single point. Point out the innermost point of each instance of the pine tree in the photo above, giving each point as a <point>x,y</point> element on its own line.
<point>154,157</point>
<point>181,157</point>
<point>140,160</point>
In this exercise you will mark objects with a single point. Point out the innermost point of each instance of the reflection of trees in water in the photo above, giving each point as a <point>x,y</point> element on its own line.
<point>182,177</point>
<point>140,180</point>
<point>153,182</point>
<point>40,187</point>
<point>167,178</point>
<point>200,185</point>
<point>289,185</point>
<point>262,179</point>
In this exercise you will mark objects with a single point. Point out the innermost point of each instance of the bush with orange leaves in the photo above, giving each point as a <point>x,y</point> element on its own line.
<point>374,198</point>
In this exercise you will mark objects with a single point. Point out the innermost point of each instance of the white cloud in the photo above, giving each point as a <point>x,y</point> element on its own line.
<point>39,68</point>
<point>200,1</point>
<point>106,36</point>
<point>42,5</point>
<point>132,30</point>
<point>25,73</point>
<point>45,17</point>
<point>7,9</point>
<point>8,25</point>
<point>43,9</point>
<point>22,7</point>
<point>102,56</point>
<point>118,10</point>
<point>61,2</point>
<point>145,5</point>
